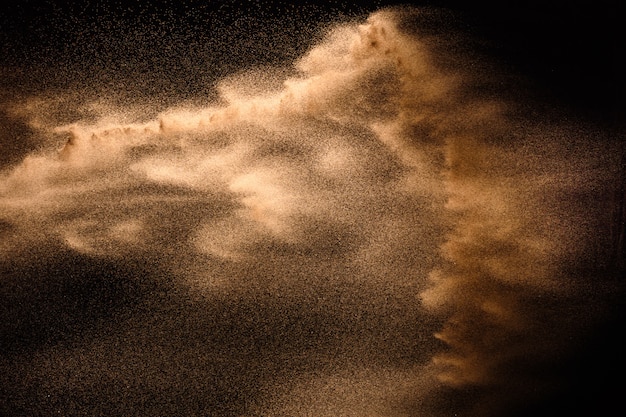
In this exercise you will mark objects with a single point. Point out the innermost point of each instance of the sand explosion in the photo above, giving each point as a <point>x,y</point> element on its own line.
<point>364,232</point>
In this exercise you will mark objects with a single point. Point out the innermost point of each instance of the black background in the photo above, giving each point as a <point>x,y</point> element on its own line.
<point>569,51</point>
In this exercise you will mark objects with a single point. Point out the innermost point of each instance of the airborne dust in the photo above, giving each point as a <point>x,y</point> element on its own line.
<point>364,231</point>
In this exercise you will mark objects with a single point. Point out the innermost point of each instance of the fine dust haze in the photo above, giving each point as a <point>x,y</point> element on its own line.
<point>373,225</point>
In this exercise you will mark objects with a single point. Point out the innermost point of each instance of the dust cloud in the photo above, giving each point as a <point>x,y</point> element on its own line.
<point>363,232</point>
